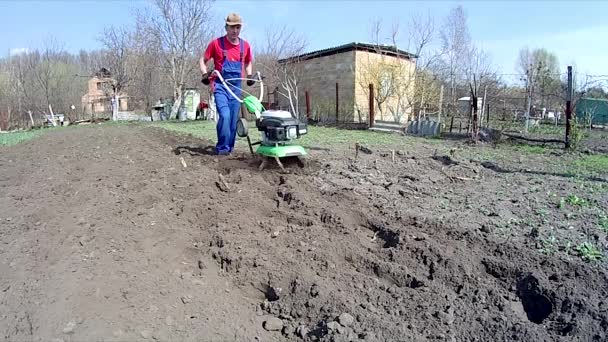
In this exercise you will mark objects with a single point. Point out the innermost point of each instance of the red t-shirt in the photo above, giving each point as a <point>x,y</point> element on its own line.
<point>214,50</point>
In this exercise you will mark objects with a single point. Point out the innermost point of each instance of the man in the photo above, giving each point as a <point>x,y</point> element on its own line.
<point>231,54</point>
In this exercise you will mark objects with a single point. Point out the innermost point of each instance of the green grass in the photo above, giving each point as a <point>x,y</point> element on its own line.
<point>589,252</point>
<point>316,137</point>
<point>542,129</point>
<point>591,164</point>
<point>530,149</point>
<point>15,138</point>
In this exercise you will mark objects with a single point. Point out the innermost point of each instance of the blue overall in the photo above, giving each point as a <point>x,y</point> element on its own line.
<point>228,107</point>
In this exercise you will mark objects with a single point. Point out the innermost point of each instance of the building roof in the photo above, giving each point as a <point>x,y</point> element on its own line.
<point>387,50</point>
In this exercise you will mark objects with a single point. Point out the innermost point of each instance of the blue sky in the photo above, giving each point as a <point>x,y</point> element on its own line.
<point>576,31</point>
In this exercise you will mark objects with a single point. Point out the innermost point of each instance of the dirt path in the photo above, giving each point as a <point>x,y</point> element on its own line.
<point>105,235</point>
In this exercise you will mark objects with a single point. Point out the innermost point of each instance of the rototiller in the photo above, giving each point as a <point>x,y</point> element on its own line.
<point>278,128</point>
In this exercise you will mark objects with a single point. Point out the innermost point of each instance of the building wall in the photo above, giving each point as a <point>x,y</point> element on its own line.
<point>368,65</point>
<point>319,76</point>
<point>596,109</point>
<point>349,69</point>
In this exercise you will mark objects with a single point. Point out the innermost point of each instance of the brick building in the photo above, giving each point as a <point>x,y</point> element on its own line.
<point>353,66</point>
<point>98,99</point>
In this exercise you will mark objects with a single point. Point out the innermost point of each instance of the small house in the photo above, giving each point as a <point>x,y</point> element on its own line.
<point>337,81</point>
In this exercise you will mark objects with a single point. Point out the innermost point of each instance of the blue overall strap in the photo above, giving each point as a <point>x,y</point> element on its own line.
<point>241,48</point>
<point>225,52</point>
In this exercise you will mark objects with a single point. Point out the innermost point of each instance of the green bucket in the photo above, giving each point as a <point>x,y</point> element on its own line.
<point>253,104</point>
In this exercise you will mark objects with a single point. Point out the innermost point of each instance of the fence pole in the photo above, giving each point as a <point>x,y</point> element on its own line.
<point>371,105</point>
<point>451,123</point>
<point>569,107</point>
<point>337,103</point>
<point>307,104</point>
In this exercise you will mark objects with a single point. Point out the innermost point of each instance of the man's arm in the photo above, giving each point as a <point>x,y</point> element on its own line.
<point>203,64</point>
<point>206,57</point>
<point>249,68</point>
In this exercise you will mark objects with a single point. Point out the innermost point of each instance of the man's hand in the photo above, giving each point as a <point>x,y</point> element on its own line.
<point>205,78</point>
<point>251,79</point>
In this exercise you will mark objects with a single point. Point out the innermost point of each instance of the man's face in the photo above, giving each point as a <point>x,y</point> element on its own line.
<point>233,31</point>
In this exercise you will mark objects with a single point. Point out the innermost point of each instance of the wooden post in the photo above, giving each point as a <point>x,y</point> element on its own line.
<point>569,107</point>
<point>337,103</point>
<point>307,104</point>
<point>451,123</point>
<point>483,106</point>
<point>371,105</point>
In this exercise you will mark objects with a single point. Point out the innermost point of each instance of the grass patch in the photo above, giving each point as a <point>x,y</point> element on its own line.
<point>316,137</point>
<point>15,138</point>
<point>591,164</point>
<point>530,149</point>
<point>589,252</point>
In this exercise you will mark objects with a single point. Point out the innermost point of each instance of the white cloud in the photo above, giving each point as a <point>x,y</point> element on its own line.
<point>18,51</point>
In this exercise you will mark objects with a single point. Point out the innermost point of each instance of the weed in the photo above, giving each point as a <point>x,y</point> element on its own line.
<point>576,134</point>
<point>589,252</point>
<point>562,203</point>
<point>548,246</point>
<point>575,200</point>
<point>603,223</point>
<point>542,213</point>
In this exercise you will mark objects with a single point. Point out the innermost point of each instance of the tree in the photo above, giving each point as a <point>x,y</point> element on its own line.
<point>180,27</point>
<point>596,92</point>
<point>540,70</point>
<point>118,46</point>
<point>276,59</point>
<point>456,47</point>
<point>146,84</point>
<point>403,83</point>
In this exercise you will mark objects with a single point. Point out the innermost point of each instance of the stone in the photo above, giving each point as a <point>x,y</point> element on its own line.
<point>69,328</point>
<point>333,326</point>
<point>302,331</point>
<point>273,324</point>
<point>446,317</point>
<point>314,290</point>
<point>346,319</point>
<point>288,330</point>
<point>485,229</point>
<point>186,299</point>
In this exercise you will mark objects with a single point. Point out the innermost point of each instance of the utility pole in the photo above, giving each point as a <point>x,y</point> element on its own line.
<point>568,107</point>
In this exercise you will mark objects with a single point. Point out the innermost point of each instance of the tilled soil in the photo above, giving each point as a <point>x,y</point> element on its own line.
<point>131,233</point>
